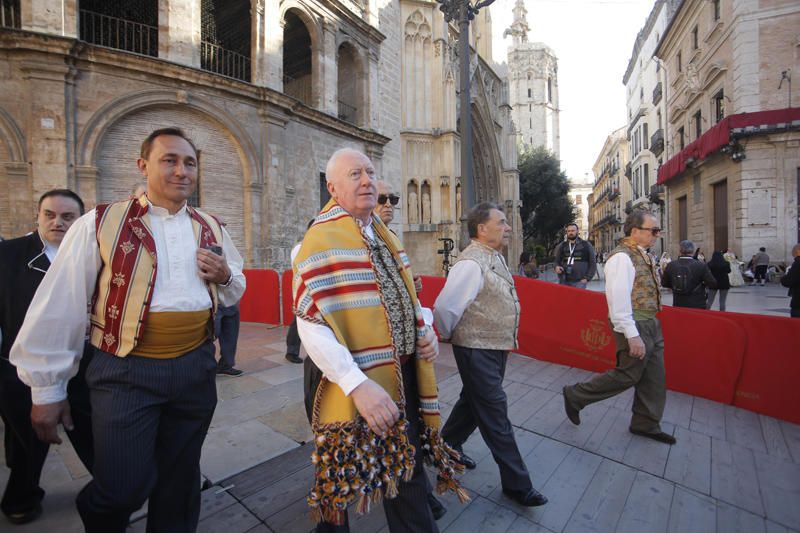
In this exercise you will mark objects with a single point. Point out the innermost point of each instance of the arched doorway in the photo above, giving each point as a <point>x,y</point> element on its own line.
<point>220,174</point>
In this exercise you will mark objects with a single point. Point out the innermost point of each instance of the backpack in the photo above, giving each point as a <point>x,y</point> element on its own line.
<point>681,279</point>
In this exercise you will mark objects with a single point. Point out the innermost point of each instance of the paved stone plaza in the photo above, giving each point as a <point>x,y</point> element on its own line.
<point>732,470</point>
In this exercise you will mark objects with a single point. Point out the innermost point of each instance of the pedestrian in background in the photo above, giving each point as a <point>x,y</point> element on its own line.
<point>760,266</point>
<point>792,280</point>
<point>720,269</point>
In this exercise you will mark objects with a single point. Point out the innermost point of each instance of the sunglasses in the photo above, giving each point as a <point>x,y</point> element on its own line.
<point>654,230</point>
<point>393,199</point>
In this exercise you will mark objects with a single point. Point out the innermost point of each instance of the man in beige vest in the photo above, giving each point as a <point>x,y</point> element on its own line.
<point>478,311</point>
<point>634,298</point>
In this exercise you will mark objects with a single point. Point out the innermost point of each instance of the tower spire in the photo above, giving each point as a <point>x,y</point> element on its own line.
<point>519,28</point>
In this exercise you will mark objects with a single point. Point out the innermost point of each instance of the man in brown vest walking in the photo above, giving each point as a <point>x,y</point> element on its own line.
<point>478,311</point>
<point>154,270</point>
<point>634,298</point>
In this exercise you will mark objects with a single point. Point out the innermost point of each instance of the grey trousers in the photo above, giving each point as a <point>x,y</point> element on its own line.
<point>645,375</point>
<point>483,404</point>
<point>712,294</point>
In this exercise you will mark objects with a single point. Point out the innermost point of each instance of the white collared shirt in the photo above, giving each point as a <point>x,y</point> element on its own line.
<point>50,343</point>
<point>464,283</point>
<point>620,274</point>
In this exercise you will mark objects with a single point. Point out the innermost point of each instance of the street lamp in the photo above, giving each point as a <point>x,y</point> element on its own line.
<point>463,11</point>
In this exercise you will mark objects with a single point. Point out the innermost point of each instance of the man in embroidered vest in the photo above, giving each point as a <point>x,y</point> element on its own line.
<point>153,285</point>
<point>375,410</point>
<point>24,262</point>
<point>634,298</point>
<point>478,311</point>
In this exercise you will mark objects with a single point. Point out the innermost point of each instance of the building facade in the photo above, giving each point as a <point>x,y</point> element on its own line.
<point>430,134</point>
<point>579,192</point>
<point>268,90</point>
<point>644,82</point>
<point>533,86</point>
<point>611,192</point>
<point>733,136</point>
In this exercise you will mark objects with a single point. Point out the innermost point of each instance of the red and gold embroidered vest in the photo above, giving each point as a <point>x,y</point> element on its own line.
<point>128,275</point>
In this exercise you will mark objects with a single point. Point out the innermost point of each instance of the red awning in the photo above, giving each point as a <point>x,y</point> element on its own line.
<point>720,135</point>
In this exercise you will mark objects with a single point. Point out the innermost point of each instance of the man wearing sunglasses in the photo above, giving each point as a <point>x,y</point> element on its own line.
<point>387,200</point>
<point>634,299</point>
<point>24,262</point>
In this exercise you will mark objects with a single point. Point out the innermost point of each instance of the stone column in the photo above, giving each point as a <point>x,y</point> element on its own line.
<point>86,184</point>
<point>267,44</point>
<point>21,200</point>
<point>56,17</point>
<point>49,123</point>
<point>179,31</point>
<point>372,95</point>
<point>271,244</point>
<point>328,99</point>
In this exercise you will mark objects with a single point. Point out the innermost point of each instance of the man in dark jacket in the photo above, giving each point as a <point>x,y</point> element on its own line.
<point>23,262</point>
<point>792,280</point>
<point>576,263</point>
<point>688,278</point>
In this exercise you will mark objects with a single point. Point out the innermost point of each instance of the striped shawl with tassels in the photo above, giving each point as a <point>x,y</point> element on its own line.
<point>335,285</point>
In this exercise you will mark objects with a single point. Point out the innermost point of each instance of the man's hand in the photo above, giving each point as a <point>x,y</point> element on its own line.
<point>559,270</point>
<point>212,267</point>
<point>636,347</point>
<point>428,346</point>
<point>45,419</point>
<point>376,406</point>
<point>584,280</point>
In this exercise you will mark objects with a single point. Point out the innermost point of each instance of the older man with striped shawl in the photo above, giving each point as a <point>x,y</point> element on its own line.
<point>376,411</point>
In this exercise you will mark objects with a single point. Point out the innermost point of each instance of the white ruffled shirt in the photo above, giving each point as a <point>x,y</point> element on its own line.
<point>49,346</point>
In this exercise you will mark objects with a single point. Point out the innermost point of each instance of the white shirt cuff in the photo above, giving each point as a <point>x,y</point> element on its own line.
<point>630,331</point>
<point>351,380</point>
<point>51,394</point>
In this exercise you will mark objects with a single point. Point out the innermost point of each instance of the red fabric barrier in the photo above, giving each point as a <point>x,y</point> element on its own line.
<point>770,379</point>
<point>286,297</point>
<point>703,352</point>
<point>260,302</point>
<point>570,326</point>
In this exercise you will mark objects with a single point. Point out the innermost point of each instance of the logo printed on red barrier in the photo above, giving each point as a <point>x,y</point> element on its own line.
<point>595,337</point>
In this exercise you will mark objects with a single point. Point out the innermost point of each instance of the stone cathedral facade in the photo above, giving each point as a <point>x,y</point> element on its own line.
<point>533,86</point>
<point>268,89</point>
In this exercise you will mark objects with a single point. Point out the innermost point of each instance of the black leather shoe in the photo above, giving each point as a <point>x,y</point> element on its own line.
<point>293,358</point>
<point>660,436</point>
<point>572,413</point>
<point>466,460</point>
<point>25,517</point>
<point>436,506</point>
<point>531,498</point>
<point>229,371</point>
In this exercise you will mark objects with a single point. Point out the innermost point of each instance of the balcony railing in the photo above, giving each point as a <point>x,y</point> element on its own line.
<point>9,14</point>
<point>628,171</point>
<point>657,194</point>
<point>614,194</point>
<point>629,207</point>
<point>658,92</point>
<point>347,112</point>
<point>215,58</point>
<point>657,142</point>
<point>121,34</point>
<point>298,88</point>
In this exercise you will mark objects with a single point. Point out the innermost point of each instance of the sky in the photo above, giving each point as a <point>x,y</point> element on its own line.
<point>593,41</point>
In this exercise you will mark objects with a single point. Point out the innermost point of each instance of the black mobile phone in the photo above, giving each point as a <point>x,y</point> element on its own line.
<point>216,248</point>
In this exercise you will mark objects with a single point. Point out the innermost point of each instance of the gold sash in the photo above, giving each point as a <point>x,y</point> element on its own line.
<point>171,334</point>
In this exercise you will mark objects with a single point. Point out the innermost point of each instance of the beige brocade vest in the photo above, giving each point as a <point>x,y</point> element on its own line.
<point>491,321</point>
